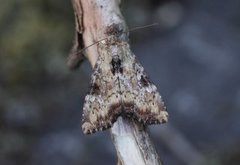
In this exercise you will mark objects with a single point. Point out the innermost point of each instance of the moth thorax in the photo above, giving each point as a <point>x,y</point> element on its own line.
<point>116,64</point>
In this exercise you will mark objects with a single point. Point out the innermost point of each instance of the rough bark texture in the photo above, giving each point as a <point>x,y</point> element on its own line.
<point>131,140</point>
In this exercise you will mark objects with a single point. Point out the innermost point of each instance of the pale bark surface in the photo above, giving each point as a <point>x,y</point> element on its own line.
<point>131,140</point>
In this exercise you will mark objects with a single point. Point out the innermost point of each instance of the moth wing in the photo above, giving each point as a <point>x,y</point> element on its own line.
<point>140,97</point>
<point>102,104</point>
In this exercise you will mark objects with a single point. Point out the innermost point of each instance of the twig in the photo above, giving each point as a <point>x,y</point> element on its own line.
<point>130,138</point>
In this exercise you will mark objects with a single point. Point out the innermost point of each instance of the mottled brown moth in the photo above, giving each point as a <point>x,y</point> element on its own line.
<point>119,86</point>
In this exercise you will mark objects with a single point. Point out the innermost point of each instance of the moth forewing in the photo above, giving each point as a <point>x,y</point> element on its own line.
<point>119,86</point>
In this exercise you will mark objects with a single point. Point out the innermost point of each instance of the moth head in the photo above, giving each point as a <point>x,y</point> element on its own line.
<point>117,31</point>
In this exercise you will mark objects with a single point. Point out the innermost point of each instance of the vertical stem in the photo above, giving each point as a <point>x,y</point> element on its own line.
<point>131,139</point>
<point>133,143</point>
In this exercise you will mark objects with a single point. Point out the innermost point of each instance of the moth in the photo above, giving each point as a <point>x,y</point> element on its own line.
<point>120,86</point>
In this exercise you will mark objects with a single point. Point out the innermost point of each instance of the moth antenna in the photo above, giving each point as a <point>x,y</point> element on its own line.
<point>133,29</point>
<point>142,27</point>
<point>82,50</point>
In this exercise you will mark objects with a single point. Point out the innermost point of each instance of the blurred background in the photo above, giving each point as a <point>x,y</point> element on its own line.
<point>192,56</point>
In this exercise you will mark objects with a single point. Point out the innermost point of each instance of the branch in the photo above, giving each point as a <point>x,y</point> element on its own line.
<point>93,18</point>
<point>133,144</point>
